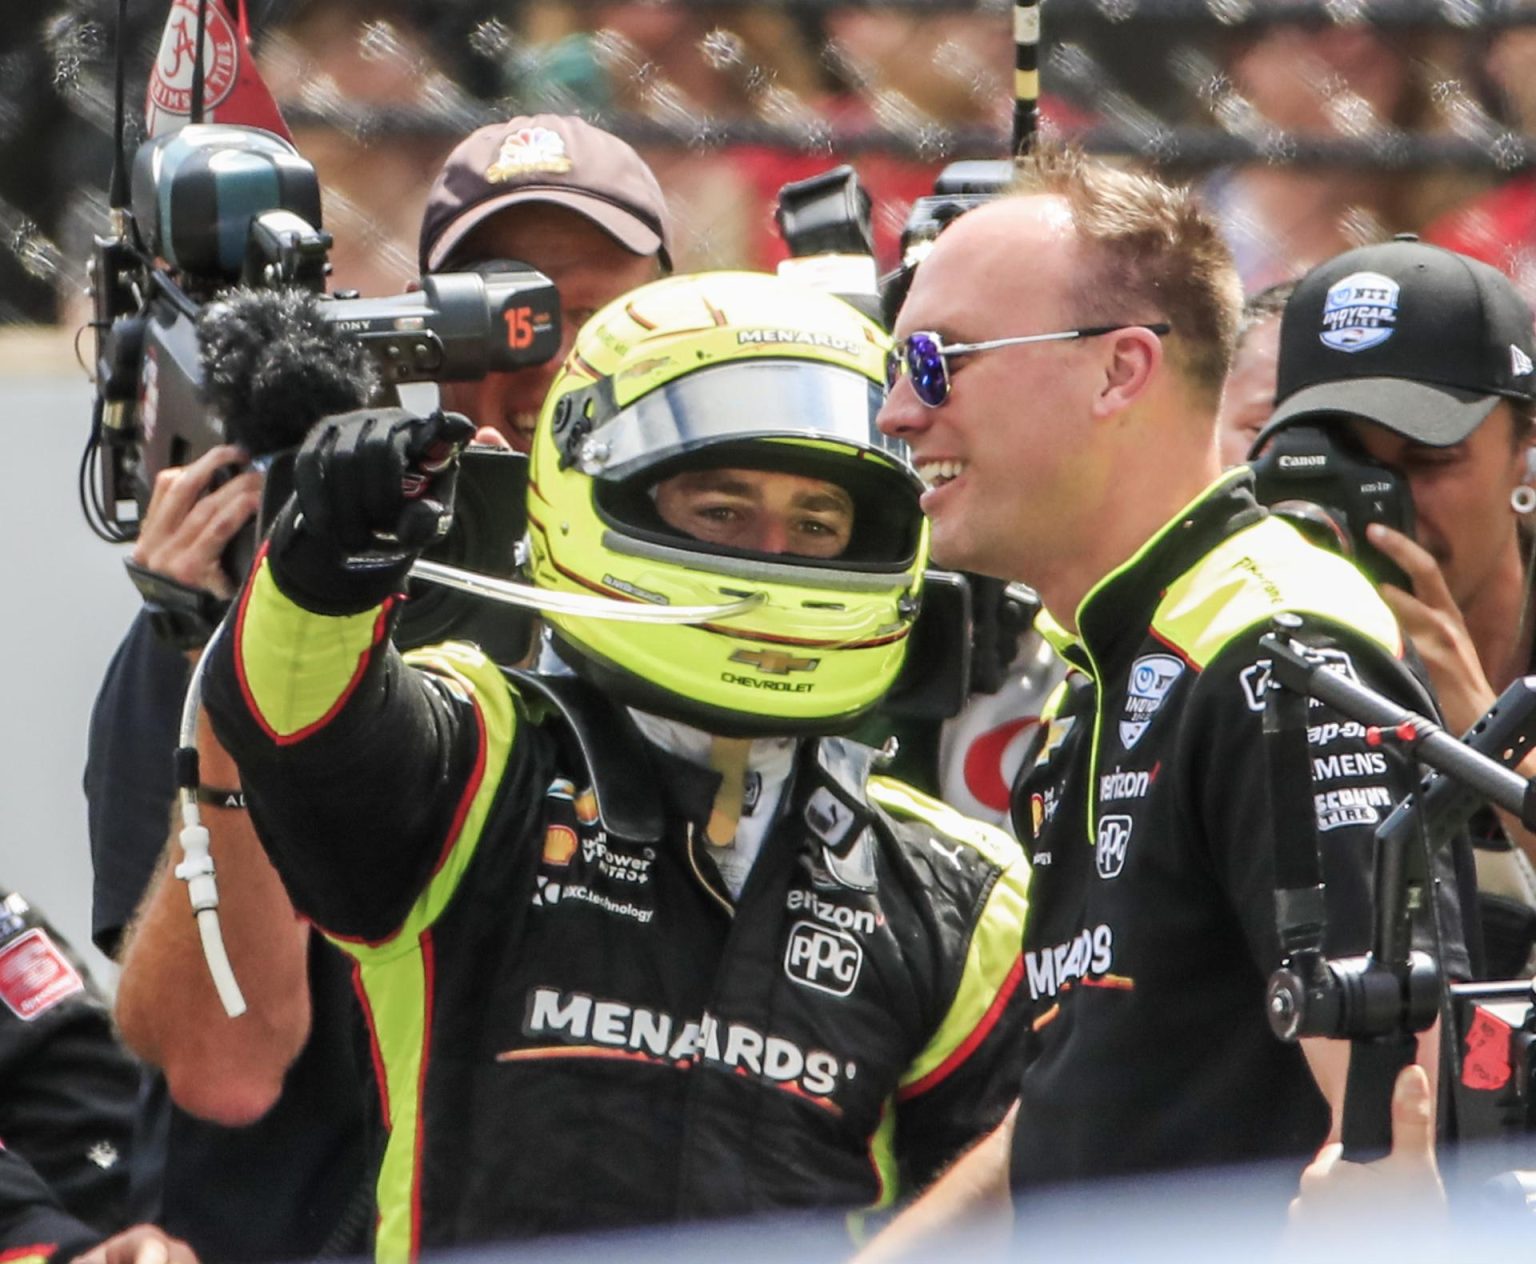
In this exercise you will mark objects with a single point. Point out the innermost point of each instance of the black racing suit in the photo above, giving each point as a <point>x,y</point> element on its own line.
<point>576,1026</point>
<point>67,1109</point>
<point>34,1227</point>
<point>1148,817</point>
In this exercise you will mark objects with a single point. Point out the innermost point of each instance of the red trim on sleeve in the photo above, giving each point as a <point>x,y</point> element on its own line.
<point>970,1043</point>
<point>374,1052</point>
<point>44,1249</point>
<point>466,801</point>
<point>245,684</point>
<point>380,629</point>
<point>1177,651</point>
<point>429,970</point>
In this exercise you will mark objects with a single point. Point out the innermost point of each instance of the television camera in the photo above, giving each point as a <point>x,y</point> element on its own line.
<point>213,326</point>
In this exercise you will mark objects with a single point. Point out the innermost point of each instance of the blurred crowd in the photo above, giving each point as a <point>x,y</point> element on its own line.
<point>1308,133</point>
<point>1317,140</point>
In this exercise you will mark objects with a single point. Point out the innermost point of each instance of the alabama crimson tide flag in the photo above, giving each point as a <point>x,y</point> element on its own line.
<point>233,90</point>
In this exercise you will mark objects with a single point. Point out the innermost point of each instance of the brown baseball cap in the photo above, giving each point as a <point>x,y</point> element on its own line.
<point>551,158</point>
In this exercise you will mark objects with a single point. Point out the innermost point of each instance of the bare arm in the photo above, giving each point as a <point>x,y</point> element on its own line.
<point>1403,1187</point>
<point>226,1070</point>
<point>1439,632</point>
<point>972,1199</point>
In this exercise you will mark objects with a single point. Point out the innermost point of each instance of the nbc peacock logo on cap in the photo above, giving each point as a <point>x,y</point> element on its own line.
<point>529,151</point>
<point>1360,312</point>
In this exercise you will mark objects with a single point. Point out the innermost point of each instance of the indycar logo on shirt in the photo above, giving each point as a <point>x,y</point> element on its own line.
<point>1152,676</point>
<point>1114,836</point>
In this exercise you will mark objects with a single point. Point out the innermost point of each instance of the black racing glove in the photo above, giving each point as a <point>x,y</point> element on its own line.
<point>372,489</point>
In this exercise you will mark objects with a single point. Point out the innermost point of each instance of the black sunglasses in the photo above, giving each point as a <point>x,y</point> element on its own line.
<point>925,357</point>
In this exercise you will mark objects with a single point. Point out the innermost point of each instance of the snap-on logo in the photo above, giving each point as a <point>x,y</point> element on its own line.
<point>821,958</point>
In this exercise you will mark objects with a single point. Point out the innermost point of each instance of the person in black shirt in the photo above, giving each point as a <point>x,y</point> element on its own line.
<point>1058,365</point>
<point>1438,384</point>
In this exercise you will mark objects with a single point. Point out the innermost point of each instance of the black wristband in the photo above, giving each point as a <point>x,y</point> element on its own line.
<point>221,797</point>
<point>182,616</point>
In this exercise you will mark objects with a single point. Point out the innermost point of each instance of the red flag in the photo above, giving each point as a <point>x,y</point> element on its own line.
<point>233,90</point>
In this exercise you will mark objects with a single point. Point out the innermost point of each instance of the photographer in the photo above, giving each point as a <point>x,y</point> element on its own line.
<point>639,942</point>
<point>1431,375</point>
<point>1058,366</point>
<point>282,1086</point>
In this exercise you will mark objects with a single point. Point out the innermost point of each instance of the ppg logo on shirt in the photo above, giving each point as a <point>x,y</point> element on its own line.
<point>821,958</point>
<point>1109,850</point>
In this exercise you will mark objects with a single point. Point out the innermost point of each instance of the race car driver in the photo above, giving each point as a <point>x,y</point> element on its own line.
<point>638,941</point>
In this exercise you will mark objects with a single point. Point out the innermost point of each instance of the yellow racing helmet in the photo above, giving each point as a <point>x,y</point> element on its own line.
<point>727,370</point>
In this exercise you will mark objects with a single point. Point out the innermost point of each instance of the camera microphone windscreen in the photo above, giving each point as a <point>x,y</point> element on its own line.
<point>272,367</point>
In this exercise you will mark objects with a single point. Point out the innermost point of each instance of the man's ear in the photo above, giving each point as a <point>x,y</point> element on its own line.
<point>1133,357</point>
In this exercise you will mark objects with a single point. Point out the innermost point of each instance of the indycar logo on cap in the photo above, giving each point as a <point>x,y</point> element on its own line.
<point>774,662</point>
<point>1360,312</point>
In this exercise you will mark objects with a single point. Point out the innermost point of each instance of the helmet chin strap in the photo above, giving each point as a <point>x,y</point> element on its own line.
<point>728,757</point>
<point>511,593</point>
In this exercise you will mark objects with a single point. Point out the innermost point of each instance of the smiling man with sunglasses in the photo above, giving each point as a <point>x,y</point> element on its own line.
<point>1058,366</point>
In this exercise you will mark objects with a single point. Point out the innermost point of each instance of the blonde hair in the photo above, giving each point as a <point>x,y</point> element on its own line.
<point>1153,252</point>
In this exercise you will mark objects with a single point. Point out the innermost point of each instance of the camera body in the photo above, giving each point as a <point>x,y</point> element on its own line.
<point>1313,476</point>
<point>215,207</point>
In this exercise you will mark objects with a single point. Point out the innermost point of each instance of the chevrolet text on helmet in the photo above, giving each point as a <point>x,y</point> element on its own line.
<point>726,370</point>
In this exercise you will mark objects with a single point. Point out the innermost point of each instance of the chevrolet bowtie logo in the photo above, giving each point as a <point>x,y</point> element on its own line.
<point>774,662</point>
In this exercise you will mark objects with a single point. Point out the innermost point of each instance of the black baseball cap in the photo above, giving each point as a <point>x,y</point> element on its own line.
<point>1416,338</point>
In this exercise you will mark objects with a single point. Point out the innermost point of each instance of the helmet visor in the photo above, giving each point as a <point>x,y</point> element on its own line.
<point>769,399</point>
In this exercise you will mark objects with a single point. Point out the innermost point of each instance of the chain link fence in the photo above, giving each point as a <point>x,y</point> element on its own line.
<point>1311,125</point>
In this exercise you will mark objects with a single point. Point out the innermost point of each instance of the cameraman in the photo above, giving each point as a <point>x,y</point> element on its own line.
<point>1432,376</point>
<point>639,942</point>
<point>581,206</point>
